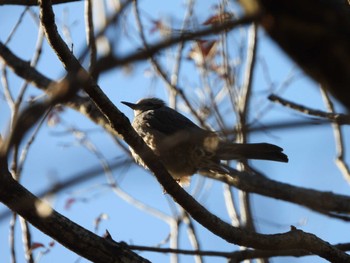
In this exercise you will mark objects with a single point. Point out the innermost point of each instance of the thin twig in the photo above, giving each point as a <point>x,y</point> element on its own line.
<point>338,137</point>
<point>236,256</point>
<point>231,208</point>
<point>27,240</point>
<point>177,90</point>
<point>33,2</point>
<point>174,77</point>
<point>107,63</point>
<point>18,23</point>
<point>260,184</point>
<point>334,117</point>
<point>26,148</point>
<point>7,91</point>
<point>12,237</point>
<point>174,239</point>
<point>90,35</point>
<point>243,107</point>
<point>192,236</point>
<point>88,144</point>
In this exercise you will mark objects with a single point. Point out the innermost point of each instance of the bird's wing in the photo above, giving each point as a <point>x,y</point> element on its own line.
<point>169,121</point>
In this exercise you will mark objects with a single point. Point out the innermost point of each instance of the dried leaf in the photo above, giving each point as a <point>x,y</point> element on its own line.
<point>36,245</point>
<point>69,203</point>
<point>203,51</point>
<point>219,18</point>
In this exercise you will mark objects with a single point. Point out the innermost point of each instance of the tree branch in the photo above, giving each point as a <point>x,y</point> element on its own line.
<point>295,239</point>
<point>331,116</point>
<point>36,211</point>
<point>34,2</point>
<point>257,183</point>
<point>110,61</point>
<point>68,233</point>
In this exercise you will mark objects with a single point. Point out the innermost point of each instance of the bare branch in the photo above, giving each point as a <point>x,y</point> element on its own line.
<point>171,86</point>
<point>34,2</point>
<point>236,256</point>
<point>23,68</point>
<point>12,238</point>
<point>257,183</point>
<point>27,240</point>
<point>198,212</point>
<point>339,138</point>
<point>50,222</point>
<point>90,34</point>
<point>109,62</point>
<point>334,117</point>
<point>59,92</point>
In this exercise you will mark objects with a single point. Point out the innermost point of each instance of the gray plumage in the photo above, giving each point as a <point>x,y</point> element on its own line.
<point>184,148</point>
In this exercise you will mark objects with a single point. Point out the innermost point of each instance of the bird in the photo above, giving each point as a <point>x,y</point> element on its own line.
<point>184,148</point>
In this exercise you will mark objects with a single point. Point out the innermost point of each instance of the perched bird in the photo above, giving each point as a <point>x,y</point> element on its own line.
<point>184,148</point>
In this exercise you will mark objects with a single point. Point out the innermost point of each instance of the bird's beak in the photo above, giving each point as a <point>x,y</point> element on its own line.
<point>131,105</point>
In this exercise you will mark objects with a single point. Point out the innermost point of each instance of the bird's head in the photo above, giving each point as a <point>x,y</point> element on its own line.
<point>145,105</point>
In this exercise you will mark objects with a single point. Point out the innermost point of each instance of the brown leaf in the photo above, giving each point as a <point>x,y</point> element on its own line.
<point>36,245</point>
<point>69,203</point>
<point>219,18</point>
<point>202,51</point>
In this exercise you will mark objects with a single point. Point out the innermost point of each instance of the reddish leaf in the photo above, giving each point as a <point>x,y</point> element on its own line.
<point>98,220</point>
<point>69,203</point>
<point>219,18</point>
<point>36,245</point>
<point>202,51</point>
<point>159,26</point>
<point>52,243</point>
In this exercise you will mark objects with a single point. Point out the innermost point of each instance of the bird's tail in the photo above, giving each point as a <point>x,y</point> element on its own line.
<point>259,151</point>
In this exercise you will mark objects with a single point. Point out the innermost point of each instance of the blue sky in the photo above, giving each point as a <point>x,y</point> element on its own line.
<point>56,155</point>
